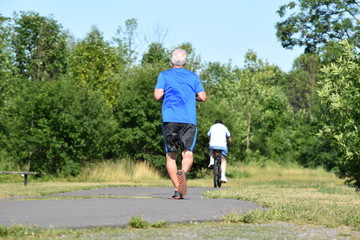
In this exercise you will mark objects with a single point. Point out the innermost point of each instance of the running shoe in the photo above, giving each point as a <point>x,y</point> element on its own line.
<point>177,195</point>
<point>181,175</point>
<point>224,179</point>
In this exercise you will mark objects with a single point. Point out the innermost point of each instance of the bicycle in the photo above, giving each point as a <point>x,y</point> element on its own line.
<point>217,167</point>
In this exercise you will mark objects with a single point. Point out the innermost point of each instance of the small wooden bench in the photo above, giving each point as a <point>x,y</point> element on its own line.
<point>23,173</point>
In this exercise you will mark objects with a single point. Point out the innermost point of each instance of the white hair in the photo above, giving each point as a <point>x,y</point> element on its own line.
<point>178,57</point>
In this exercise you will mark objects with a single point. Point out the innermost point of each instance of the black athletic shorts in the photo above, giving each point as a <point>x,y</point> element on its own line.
<point>177,135</point>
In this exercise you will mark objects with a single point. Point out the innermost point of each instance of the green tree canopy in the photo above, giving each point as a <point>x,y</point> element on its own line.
<point>139,116</point>
<point>6,61</point>
<point>39,46</point>
<point>125,41</point>
<point>312,23</point>
<point>302,80</point>
<point>7,68</point>
<point>94,62</point>
<point>340,96</point>
<point>156,54</point>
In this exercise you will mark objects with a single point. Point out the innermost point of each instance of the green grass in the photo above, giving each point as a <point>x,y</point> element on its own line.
<point>195,230</point>
<point>140,222</point>
<point>307,197</point>
<point>295,195</point>
<point>100,175</point>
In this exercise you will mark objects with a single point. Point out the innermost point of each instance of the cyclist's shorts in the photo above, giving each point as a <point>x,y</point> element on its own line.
<point>223,152</point>
<point>177,135</point>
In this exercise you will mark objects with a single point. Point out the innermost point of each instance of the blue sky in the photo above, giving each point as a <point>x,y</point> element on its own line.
<point>219,30</point>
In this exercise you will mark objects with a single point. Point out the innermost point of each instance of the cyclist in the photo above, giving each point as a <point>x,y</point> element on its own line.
<point>179,88</point>
<point>219,136</point>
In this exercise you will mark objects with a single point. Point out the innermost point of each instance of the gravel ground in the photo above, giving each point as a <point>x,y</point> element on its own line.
<point>229,231</point>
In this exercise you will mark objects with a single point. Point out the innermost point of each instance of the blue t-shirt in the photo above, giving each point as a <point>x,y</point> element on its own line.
<point>180,87</point>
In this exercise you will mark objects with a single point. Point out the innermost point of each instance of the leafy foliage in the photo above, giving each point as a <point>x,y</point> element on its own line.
<point>39,47</point>
<point>95,102</point>
<point>138,222</point>
<point>139,116</point>
<point>302,81</point>
<point>125,41</point>
<point>156,54</point>
<point>6,58</point>
<point>314,22</point>
<point>340,95</point>
<point>93,62</point>
<point>54,127</point>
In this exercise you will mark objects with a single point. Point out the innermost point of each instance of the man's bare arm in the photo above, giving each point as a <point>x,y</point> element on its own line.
<point>158,94</point>
<point>201,96</point>
<point>229,141</point>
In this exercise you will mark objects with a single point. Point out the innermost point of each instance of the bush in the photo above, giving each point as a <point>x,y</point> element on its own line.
<point>138,115</point>
<point>53,127</point>
<point>340,97</point>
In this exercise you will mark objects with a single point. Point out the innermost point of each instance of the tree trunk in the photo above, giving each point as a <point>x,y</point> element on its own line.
<point>248,132</point>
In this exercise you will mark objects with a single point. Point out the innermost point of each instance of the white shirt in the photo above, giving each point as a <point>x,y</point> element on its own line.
<point>218,134</point>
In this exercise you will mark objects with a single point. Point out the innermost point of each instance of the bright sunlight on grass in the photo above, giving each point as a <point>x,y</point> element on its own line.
<point>289,193</point>
<point>119,171</point>
<point>296,195</point>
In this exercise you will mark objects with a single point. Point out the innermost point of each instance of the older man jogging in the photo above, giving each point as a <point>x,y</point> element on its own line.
<point>179,89</point>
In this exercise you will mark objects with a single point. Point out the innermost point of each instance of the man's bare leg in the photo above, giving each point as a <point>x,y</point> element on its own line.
<point>172,168</point>
<point>223,165</point>
<point>223,169</point>
<point>187,160</point>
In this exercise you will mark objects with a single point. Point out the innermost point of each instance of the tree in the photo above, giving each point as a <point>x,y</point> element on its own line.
<point>253,105</point>
<point>39,46</point>
<point>193,61</point>
<point>6,60</point>
<point>315,22</point>
<point>301,87</point>
<point>139,116</point>
<point>156,54</point>
<point>219,81</point>
<point>252,84</point>
<point>216,75</point>
<point>7,69</point>
<point>302,81</point>
<point>94,62</point>
<point>126,41</point>
<point>340,97</point>
<point>265,110</point>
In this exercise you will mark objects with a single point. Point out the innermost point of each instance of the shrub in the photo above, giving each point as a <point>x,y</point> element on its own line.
<point>53,127</point>
<point>138,222</point>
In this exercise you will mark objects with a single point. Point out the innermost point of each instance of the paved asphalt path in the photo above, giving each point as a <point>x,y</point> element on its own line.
<point>115,206</point>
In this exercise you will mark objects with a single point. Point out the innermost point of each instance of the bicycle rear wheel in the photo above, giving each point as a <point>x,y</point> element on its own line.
<point>217,168</point>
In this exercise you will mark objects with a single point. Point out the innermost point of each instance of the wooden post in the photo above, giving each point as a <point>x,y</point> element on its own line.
<point>25,179</point>
<point>23,173</point>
